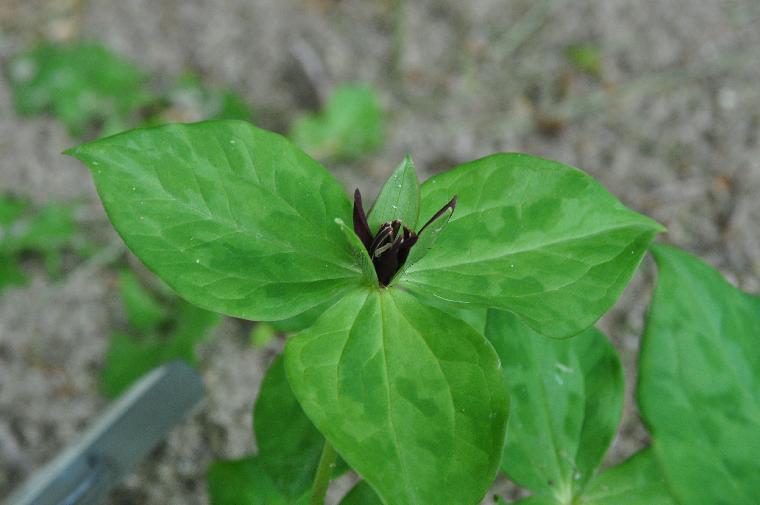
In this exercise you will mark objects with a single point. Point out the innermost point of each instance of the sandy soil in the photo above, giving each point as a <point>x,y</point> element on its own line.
<point>671,126</point>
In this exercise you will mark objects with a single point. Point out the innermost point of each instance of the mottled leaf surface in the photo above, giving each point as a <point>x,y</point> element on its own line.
<point>399,199</point>
<point>699,382</point>
<point>532,236</point>
<point>234,218</point>
<point>410,397</point>
<point>566,402</point>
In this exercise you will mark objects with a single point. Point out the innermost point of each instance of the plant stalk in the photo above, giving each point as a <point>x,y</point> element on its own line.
<point>324,472</point>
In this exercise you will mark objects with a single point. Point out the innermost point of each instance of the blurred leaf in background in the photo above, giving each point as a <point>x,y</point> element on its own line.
<point>262,334</point>
<point>83,84</point>
<point>167,330</point>
<point>190,99</point>
<point>244,482</point>
<point>350,126</point>
<point>47,232</point>
<point>586,57</point>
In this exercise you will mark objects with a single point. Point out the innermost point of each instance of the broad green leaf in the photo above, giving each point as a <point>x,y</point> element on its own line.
<point>409,396</point>
<point>80,83</point>
<point>242,482</point>
<point>361,494</point>
<point>350,126</point>
<point>475,317</point>
<point>234,218</point>
<point>130,358</point>
<point>637,481</point>
<point>566,403</point>
<point>399,199</point>
<point>699,382</point>
<point>289,444</point>
<point>304,319</point>
<point>531,236</point>
<point>425,242</point>
<point>144,312</point>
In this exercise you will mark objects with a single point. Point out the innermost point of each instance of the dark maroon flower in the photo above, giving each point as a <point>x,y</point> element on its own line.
<point>389,247</point>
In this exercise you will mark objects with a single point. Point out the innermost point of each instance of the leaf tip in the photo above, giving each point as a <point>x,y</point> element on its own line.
<point>71,151</point>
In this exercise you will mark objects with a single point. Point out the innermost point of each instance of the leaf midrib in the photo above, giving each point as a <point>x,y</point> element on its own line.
<point>506,254</point>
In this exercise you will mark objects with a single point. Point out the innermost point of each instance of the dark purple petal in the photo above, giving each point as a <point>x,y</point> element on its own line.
<point>389,247</point>
<point>451,205</point>
<point>361,226</point>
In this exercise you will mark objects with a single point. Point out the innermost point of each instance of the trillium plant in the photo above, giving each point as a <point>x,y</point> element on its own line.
<point>395,368</point>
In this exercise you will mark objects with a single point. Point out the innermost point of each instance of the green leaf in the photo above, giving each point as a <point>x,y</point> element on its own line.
<point>302,320</point>
<point>350,126</point>
<point>637,481</point>
<point>566,403</point>
<point>289,444</point>
<point>193,326</point>
<point>234,218</point>
<point>144,312</point>
<point>586,57</point>
<point>43,231</point>
<point>11,273</point>
<point>361,494</point>
<point>409,396</point>
<point>531,236</point>
<point>699,382</point>
<point>399,199</point>
<point>192,100</point>
<point>475,317</point>
<point>262,334</point>
<point>426,241</point>
<point>81,84</point>
<point>359,253</point>
<point>242,482</point>
<point>10,210</point>
<point>130,358</point>
<point>534,500</point>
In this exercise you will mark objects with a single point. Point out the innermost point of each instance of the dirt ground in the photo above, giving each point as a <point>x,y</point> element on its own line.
<point>671,126</point>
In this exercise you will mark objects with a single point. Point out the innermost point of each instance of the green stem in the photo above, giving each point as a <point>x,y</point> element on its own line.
<point>324,472</point>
